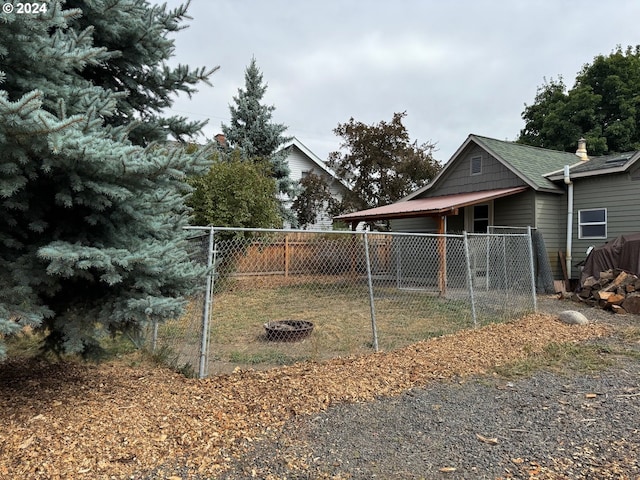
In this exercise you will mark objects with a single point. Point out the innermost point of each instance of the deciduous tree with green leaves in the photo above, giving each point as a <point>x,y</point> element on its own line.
<point>236,192</point>
<point>603,106</point>
<point>91,228</point>
<point>380,163</point>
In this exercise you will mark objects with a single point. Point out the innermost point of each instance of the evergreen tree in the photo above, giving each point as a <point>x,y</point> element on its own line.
<point>91,228</point>
<point>252,131</point>
<point>135,35</point>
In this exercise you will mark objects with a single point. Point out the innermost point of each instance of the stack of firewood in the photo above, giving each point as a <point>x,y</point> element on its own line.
<point>615,290</point>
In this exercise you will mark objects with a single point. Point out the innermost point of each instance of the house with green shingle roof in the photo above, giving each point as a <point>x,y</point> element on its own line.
<point>491,183</point>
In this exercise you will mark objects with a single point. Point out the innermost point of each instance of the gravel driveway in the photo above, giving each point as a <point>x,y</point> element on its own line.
<point>546,426</point>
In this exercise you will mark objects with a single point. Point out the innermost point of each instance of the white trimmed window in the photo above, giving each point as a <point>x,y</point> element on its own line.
<point>477,218</point>
<point>592,223</point>
<point>480,218</point>
<point>476,165</point>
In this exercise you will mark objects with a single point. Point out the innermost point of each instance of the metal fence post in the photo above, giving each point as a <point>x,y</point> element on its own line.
<point>374,328</point>
<point>467,255</point>
<point>396,250</point>
<point>487,266</point>
<point>505,272</point>
<point>154,338</point>
<point>206,314</point>
<point>532,268</point>
<point>325,282</point>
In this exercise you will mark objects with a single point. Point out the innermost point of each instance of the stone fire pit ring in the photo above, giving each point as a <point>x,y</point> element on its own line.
<point>288,330</point>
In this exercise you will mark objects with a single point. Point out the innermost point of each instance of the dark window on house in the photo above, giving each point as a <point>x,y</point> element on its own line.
<point>592,223</point>
<point>476,165</point>
<point>480,218</point>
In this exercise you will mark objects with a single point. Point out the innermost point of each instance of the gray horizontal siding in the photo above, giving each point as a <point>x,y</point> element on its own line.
<point>619,194</point>
<point>543,211</point>
<point>414,225</point>
<point>515,210</point>
<point>551,222</point>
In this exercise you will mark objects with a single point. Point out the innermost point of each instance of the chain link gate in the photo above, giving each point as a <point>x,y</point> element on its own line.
<point>276,297</point>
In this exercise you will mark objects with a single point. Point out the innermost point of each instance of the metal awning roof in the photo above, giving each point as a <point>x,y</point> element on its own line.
<point>428,207</point>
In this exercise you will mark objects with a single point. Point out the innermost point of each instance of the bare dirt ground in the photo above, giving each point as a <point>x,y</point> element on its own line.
<point>123,420</point>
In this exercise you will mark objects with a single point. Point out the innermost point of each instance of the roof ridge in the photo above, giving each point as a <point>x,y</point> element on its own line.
<point>521,145</point>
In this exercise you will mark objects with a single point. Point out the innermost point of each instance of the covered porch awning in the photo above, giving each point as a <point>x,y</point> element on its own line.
<point>428,207</point>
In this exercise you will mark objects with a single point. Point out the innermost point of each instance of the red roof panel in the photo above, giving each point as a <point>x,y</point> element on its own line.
<point>434,206</point>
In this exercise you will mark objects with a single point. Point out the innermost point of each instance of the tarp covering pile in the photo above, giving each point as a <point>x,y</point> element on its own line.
<point>622,253</point>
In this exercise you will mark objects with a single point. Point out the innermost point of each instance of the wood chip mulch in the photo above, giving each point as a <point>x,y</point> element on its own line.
<point>74,420</point>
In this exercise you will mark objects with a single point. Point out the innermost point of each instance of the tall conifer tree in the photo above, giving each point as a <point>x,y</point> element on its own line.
<point>91,236</point>
<point>252,131</point>
<point>135,33</point>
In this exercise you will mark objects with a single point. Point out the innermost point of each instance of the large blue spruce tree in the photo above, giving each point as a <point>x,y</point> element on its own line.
<point>92,210</point>
<point>253,132</point>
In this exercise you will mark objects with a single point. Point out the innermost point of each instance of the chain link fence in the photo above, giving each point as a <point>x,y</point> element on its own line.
<point>542,266</point>
<point>277,297</point>
<point>182,343</point>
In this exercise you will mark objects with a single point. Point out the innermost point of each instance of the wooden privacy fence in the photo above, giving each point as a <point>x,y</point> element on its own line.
<point>301,254</point>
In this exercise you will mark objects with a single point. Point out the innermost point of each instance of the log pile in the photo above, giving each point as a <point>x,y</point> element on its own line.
<point>615,290</point>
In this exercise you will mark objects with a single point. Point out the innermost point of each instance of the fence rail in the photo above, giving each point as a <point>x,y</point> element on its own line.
<point>275,297</point>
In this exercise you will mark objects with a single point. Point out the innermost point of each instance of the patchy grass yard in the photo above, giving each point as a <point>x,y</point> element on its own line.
<point>341,318</point>
<point>340,311</point>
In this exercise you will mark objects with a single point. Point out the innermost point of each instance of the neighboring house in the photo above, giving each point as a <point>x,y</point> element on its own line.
<point>302,162</point>
<point>489,182</point>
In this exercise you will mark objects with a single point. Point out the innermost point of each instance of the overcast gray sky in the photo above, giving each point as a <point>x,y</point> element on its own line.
<point>456,67</point>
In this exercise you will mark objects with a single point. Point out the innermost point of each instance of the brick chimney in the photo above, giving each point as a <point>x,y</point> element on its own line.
<point>582,150</point>
<point>221,139</point>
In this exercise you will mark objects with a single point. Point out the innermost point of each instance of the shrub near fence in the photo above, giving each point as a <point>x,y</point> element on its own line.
<point>359,291</point>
